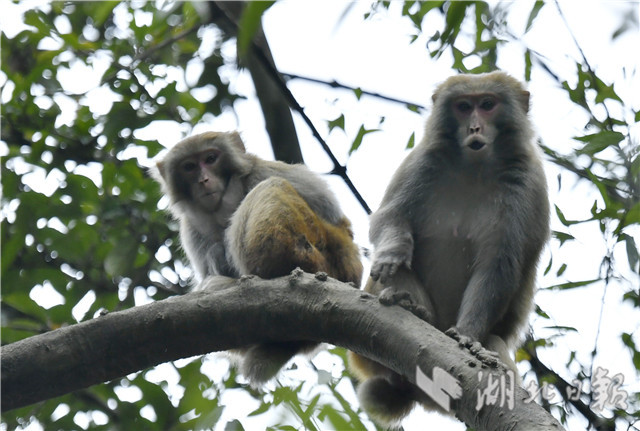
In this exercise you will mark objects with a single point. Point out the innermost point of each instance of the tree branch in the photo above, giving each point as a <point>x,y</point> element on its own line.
<point>268,66</point>
<point>296,307</point>
<point>275,108</point>
<point>336,84</point>
<point>541,370</point>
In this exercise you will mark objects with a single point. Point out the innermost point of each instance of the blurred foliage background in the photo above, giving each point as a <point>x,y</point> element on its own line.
<point>81,224</point>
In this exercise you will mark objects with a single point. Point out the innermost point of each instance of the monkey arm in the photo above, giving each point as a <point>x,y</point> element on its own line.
<point>392,225</point>
<point>206,253</point>
<point>392,238</point>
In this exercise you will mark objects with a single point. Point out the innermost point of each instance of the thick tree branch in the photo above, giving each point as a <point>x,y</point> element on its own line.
<point>275,108</point>
<point>296,307</point>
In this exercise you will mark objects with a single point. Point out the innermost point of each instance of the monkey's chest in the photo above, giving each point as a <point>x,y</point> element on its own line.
<point>454,217</point>
<point>446,248</point>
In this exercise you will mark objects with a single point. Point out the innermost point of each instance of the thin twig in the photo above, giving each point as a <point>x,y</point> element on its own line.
<point>338,169</point>
<point>594,77</point>
<point>335,84</point>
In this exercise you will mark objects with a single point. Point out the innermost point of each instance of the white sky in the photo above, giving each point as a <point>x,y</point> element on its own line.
<point>375,55</point>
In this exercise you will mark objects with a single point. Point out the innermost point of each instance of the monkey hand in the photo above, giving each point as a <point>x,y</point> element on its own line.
<point>391,296</point>
<point>386,264</point>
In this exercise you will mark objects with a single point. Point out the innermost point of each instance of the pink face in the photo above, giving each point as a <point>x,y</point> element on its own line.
<point>201,173</point>
<point>476,114</point>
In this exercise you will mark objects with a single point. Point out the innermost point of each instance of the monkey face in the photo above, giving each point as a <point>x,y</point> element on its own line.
<point>476,116</point>
<point>201,173</point>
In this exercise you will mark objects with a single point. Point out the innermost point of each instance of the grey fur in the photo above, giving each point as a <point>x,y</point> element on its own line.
<point>462,232</point>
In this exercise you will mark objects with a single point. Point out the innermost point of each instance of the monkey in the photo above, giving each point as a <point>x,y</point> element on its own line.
<point>460,229</point>
<point>242,215</point>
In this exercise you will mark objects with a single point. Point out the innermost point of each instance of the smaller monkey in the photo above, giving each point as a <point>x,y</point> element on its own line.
<point>241,215</point>
<point>460,228</point>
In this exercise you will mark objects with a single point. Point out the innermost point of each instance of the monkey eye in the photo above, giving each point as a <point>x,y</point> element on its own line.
<point>211,158</point>
<point>189,166</point>
<point>464,106</point>
<point>487,104</point>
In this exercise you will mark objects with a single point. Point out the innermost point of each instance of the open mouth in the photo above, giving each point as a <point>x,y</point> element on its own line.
<point>476,145</point>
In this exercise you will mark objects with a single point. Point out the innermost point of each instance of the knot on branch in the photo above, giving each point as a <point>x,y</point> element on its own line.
<point>295,276</point>
<point>339,170</point>
<point>244,279</point>
<point>321,276</point>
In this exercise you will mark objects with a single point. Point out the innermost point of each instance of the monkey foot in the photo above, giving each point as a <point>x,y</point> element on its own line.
<point>487,357</point>
<point>390,296</point>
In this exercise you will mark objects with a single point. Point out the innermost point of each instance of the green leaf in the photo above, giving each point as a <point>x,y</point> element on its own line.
<point>413,108</point>
<point>527,65</point>
<point>358,140</point>
<point>121,258</point>
<point>627,339</point>
<point>455,15</point>
<point>633,216</point>
<point>103,10</point>
<point>632,296</point>
<point>561,270</point>
<point>599,141</point>
<point>533,14</point>
<point>412,140</point>
<point>354,422</point>
<point>563,328</point>
<point>10,248</point>
<point>250,22</point>
<point>563,219</point>
<point>572,284</point>
<point>633,257</point>
<point>604,91</point>
<point>234,425</point>
<point>540,312</point>
<point>264,407</point>
<point>39,20</point>
<point>338,122</point>
<point>548,267</point>
<point>577,94</point>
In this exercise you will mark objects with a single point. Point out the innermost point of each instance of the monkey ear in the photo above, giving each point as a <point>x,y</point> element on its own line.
<point>236,140</point>
<point>524,100</point>
<point>160,168</point>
